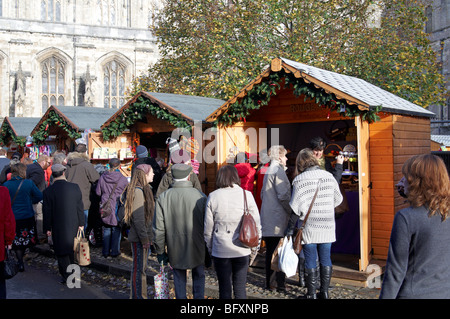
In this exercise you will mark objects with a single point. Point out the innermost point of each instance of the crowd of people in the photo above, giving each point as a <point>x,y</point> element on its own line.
<point>167,213</point>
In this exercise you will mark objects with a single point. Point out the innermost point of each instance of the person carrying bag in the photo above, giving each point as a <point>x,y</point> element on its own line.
<point>81,249</point>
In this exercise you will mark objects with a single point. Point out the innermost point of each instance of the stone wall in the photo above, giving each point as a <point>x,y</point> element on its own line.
<point>81,41</point>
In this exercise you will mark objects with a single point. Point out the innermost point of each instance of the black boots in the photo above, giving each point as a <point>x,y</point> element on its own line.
<point>301,272</point>
<point>311,279</point>
<point>325,279</point>
<point>311,283</point>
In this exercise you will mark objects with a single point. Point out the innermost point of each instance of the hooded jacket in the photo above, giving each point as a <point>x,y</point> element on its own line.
<point>104,188</point>
<point>80,171</point>
<point>247,175</point>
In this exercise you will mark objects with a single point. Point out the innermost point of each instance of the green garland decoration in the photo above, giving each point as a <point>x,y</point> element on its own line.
<point>261,94</point>
<point>7,133</point>
<point>54,119</point>
<point>137,111</point>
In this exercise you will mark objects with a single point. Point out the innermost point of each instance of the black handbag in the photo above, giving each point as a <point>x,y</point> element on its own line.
<point>11,264</point>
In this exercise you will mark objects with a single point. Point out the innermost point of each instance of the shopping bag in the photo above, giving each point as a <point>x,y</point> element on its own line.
<point>274,261</point>
<point>81,249</point>
<point>288,259</point>
<point>161,284</point>
<point>11,264</point>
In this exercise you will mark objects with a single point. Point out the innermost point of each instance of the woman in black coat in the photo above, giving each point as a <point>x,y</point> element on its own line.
<point>63,216</point>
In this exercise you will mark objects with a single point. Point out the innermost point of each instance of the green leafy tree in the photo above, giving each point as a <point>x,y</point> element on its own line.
<point>214,48</point>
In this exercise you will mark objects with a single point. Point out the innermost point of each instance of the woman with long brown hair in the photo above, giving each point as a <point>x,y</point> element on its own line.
<point>419,250</point>
<point>139,211</point>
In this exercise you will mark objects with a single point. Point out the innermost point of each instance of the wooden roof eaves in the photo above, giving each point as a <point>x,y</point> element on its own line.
<point>277,65</point>
<point>326,87</point>
<point>153,100</point>
<point>242,93</point>
<point>10,125</point>
<point>45,116</point>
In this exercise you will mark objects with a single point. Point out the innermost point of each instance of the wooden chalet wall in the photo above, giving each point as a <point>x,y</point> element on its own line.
<point>393,140</point>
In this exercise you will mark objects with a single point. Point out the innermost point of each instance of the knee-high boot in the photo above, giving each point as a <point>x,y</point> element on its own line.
<point>301,272</point>
<point>311,282</point>
<point>325,279</point>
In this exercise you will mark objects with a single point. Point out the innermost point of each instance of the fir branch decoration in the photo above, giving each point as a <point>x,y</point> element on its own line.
<point>136,112</point>
<point>7,133</point>
<point>260,95</point>
<point>54,119</point>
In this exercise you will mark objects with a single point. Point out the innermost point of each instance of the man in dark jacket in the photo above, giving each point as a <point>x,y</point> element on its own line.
<point>36,173</point>
<point>179,224</point>
<point>143,158</point>
<point>63,216</point>
<point>81,172</point>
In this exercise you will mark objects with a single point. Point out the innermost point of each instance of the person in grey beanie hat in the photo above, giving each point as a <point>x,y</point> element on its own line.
<point>143,158</point>
<point>141,151</point>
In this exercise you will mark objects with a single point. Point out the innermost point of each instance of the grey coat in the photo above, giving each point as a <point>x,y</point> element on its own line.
<point>275,195</point>
<point>179,220</point>
<point>418,260</point>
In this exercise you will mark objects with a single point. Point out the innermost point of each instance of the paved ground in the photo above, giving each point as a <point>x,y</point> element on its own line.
<point>115,273</point>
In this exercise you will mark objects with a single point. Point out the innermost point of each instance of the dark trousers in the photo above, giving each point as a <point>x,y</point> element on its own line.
<point>198,282</point>
<point>232,276</point>
<point>2,281</point>
<point>280,277</point>
<point>64,262</point>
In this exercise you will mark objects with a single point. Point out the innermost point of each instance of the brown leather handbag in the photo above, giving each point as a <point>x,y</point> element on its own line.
<point>248,234</point>
<point>299,236</point>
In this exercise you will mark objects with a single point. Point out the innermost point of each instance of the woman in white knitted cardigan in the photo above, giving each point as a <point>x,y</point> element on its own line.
<point>319,230</point>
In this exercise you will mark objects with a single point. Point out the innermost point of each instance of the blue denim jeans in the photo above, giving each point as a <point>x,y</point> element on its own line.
<point>111,240</point>
<point>198,282</point>
<point>232,276</point>
<point>311,252</point>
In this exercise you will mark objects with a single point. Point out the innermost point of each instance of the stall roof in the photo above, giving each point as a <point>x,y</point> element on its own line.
<point>80,117</point>
<point>354,90</point>
<point>192,108</point>
<point>22,126</point>
<point>441,139</point>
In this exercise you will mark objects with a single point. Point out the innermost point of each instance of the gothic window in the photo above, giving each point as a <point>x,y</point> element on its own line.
<point>106,14</point>
<point>114,85</point>
<point>51,10</point>
<point>53,75</point>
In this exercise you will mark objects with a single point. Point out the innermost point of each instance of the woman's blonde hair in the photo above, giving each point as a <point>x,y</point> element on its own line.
<point>276,151</point>
<point>139,179</point>
<point>305,159</point>
<point>428,181</point>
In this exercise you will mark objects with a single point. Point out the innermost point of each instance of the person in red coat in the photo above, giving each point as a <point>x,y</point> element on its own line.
<point>245,171</point>
<point>7,233</point>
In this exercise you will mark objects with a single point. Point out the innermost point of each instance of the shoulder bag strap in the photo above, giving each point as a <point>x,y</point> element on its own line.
<point>312,203</point>
<point>17,192</point>
<point>112,192</point>
<point>245,203</point>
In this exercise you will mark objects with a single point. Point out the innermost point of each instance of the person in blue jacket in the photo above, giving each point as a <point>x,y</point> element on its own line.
<point>24,193</point>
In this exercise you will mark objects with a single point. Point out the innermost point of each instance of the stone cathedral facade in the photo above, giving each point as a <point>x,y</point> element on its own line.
<point>72,52</point>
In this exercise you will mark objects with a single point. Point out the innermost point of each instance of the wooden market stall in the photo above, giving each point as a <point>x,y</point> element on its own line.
<point>14,131</point>
<point>61,126</point>
<point>290,103</point>
<point>150,118</point>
